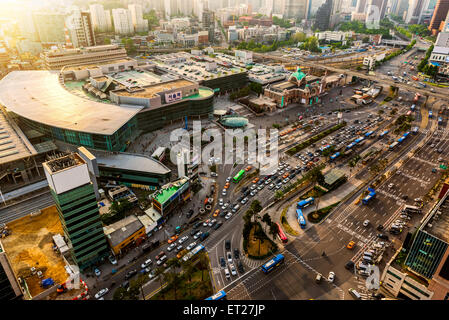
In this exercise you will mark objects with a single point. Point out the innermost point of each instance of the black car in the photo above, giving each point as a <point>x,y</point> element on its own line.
<point>218,225</point>
<point>240,267</point>
<point>190,213</point>
<point>404,197</point>
<point>223,262</point>
<point>197,225</point>
<point>223,213</point>
<point>192,233</point>
<point>246,193</point>
<point>125,284</point>
<point>130,274</point>
<point>228,244</point>
<point>382,236</point>
<point>349,265</point>
<point>380,227</point>
<point>244,189</point>
<point>236,253</point>
<point>240,199</point>
<point>260,182</point>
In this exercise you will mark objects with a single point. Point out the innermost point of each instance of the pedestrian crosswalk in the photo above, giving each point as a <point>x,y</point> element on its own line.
<point>250,263</point>
<point>353,234</point>
<point>390,195</point>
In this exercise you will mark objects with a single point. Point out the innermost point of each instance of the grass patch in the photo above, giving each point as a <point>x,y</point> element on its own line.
<point>314,139</point>
<point>199,288</point>
<point>319,215</point>
<point>285,224</point>
<point>258,245</point>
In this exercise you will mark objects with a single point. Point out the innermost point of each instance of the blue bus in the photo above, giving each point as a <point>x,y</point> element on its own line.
<point>325,147</point>
<point>430,114</point>
<point>371,195</point>
<point>383,133</point>
<point>401,139</point>
<point>334,156</point>
<point>368,134</point>
<point>301,219</point>
<point>220,295</point>
<point>273,263</point>
<point>405,135</point>
<point>393,145</point>
<point>415,130</point>
<point>304,203</point>
<point>359,140</point>
<point>349,146</point>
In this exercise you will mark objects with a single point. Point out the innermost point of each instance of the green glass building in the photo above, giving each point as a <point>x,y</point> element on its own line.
<point>74,195</point>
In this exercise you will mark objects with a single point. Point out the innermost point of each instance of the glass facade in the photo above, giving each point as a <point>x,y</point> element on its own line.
<point>6,290</point>
<point>115,142</point>
<point>425,254</point>
<point>130,177</point>
<point>81,222</point>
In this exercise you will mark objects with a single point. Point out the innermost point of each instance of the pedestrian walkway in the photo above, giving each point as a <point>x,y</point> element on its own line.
<point>250,263</point>
<point>25,190</point>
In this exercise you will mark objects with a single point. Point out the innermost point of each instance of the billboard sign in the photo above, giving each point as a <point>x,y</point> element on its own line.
<point>173,96</point>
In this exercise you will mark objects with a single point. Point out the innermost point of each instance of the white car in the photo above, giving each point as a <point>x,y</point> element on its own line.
<point>229,257</point>
<point>366,223</point>
<point>228,276</point>
<point>225,206</point>
<point>146,263</point>
<point>253,187</point>
<point>197,235</point>
<point>101,293</point>
<point>244,200</point>
<point>391,185</point>
<point>268,181</point>
<point>228,216</point>
<point>113,260</point>
<point>331,277</point>
<point>233,271</point>
<point>220,201</point>
<point>228,179</point>
<point>224,192</point>
<point>253,193</point>
<point>161,260</point>
<point>171,247</point>
<point>191,246</point>
<point>260,187</point>
<point>183,239</point>
<point>212,222</point>
<point>271,186</point>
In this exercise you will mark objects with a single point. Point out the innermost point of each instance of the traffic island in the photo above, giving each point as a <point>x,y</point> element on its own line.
<point>319,215</point>
<point>258,246</point>
<point>285,221</point>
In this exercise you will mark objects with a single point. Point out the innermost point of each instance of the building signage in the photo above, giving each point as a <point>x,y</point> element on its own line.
<point>173,96</point>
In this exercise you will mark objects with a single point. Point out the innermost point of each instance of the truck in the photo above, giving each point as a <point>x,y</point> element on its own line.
<point>371,195</point>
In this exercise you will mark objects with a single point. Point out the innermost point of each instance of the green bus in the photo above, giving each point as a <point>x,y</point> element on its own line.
<point>238,176</point>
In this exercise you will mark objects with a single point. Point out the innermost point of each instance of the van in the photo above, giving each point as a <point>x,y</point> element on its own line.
<point>318,278</point>
<point>354,294</point>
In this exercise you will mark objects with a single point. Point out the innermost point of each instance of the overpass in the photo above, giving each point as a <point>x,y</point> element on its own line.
<point>439,93</point>
<point>395,42</point>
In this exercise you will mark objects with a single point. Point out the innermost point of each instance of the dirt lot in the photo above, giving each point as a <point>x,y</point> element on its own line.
<point>31,245</point>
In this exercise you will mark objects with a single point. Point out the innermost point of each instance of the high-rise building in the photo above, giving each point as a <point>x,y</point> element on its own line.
<point>27,28</point>
<point>323,16</point>
<point>80,28</point>
<point>361,6</point>
<point>101,19</point>
<point>439,16</point>
<point>122,21</point>
<point>414,11</point>
<point>50,27</point>
<point>9,288</point>
<point>402,8</point>
<point>445,27</point>
<point>208,21</point>
<point>73,192</point>
<point>295,9</point>
<point>375,10</point>
<point>140,24</point>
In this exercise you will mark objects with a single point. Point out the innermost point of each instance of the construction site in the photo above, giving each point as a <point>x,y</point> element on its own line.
<point>32,253</point>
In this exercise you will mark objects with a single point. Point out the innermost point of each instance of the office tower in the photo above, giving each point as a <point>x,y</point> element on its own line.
<point>122,21</point>
<point>81,32</point>
<point>375,10</point>
<point>414,11</point>
<point>402,8</point>
<point>50,27</point>
<point>323,16</point>
<point>208,21</point>
<point>27,28</point>
<point>295,9</point>
<point>439,16</point>
<point>9,288</point>
<point>140,24</point>
<point>445,27</point>
<point>73,192</point>
<point>167,9</point>
<point>361,6</point>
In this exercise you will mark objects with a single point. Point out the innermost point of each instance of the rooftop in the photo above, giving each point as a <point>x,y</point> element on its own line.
<point>152,91</point>
<point>168,190</point>
<point>123,229</point>
<point>438,223</point>
<point>65,162</point>
<point>14,145</point>
<point>38,96</point>
<point>131,162</point>
<point>332,176</point>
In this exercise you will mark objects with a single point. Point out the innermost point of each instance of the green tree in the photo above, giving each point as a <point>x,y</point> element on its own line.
<point>160,274</point>
<point>107,41</point>
<point>267,219</point>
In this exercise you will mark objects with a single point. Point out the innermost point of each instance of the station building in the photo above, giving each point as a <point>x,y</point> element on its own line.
<point>103,106</point>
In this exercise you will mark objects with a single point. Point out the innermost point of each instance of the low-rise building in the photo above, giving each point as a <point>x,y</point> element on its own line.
<point>124,234</point>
